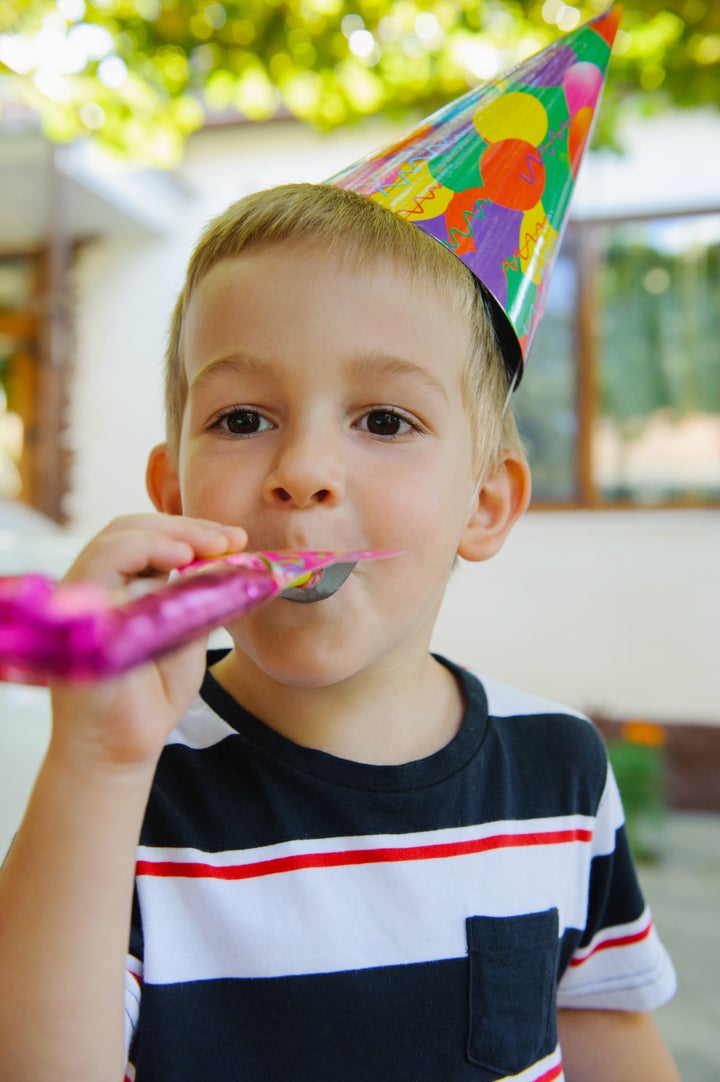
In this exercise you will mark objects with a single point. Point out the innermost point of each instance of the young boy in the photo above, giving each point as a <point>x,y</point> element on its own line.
<point>357,861</point>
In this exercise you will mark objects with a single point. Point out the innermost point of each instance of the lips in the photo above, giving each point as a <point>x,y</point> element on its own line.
<point>322,585</point>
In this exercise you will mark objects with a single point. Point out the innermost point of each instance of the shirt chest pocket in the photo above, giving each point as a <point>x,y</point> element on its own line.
<point>512,989</point>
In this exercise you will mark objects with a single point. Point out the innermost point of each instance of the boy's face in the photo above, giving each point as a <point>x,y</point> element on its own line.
<point>325,410</point>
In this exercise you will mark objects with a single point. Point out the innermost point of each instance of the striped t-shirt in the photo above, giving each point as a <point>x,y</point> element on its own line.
<point>309,918</point>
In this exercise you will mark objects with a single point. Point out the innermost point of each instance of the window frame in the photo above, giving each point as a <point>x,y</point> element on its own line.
<point>43,386</point>
<point>584,252</point>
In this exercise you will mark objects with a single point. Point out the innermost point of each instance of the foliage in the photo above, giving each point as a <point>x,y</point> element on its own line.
<point>638,761</point>
<point>140,75</point>
<point>661,288</point>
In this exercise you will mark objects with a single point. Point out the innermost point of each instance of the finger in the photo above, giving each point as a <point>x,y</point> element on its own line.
<point>202,533</point>
<point>207,538</point>
<point>114,557</point>
<point>117,556</point>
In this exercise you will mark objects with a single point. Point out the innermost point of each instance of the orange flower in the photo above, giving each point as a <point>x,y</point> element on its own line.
<point>644,732</point>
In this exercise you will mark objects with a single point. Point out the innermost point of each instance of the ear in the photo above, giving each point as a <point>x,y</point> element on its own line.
<point>163,481</point>
<point>502,497</point>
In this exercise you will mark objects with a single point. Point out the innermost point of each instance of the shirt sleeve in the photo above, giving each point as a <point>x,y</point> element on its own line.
<point>133,985</point>
<point>133,993</point>
<point>619,962</point>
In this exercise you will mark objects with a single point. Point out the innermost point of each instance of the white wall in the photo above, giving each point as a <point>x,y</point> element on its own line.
<point>670,162</point>
<point>611,612</point>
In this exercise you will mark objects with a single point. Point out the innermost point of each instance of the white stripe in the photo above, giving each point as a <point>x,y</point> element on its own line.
<point>505,701</point>
<point>317,920</point>
<point>200,727</point>
<point>133,995</point>
<point>607,935</point>
<point>610,817</point>
<point>636,976</point>
<point>539,1069</point>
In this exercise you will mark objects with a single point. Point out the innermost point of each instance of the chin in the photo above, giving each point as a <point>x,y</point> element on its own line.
<point>301,660</point>
<point>306,673</point>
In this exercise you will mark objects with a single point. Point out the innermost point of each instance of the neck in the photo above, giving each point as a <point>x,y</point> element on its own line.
<point>393,714</point>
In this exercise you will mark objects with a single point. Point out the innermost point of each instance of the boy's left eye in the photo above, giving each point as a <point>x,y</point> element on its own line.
<point>387,422</point>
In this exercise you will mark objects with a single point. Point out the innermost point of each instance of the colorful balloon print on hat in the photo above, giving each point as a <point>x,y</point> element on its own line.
<point>491,174</point>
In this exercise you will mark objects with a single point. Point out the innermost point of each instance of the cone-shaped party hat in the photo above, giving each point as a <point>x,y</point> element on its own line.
<point>491,175</point>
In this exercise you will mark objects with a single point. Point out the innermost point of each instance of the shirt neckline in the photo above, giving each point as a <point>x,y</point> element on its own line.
<point>331,769</point>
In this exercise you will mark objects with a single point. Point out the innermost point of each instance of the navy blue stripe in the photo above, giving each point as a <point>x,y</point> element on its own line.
<point>257,788</point>
<point>399,1022</point>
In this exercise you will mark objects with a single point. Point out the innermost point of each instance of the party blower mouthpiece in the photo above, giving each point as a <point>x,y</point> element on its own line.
<point>78,633</point>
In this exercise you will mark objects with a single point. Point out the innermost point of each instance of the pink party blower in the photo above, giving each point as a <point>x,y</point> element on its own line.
<point>76,632</point>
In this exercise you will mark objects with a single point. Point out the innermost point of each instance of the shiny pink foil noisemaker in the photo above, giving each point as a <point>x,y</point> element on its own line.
<point>78,632</point>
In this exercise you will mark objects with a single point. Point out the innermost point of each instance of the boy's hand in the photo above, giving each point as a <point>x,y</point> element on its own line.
<point>69,876</point>
<point>122,723</point>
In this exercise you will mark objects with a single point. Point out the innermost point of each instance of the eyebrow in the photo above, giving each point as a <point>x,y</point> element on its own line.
<point>380,364</point>
<point>233,363</point>
<point>373,364</point>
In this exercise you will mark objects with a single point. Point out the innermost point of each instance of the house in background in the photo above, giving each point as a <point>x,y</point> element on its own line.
<point>606,596</point>
<point>55,199</point>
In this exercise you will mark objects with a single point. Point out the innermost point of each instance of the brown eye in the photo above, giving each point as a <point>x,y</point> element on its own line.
<point>242,422</point>
<point>385,423</point>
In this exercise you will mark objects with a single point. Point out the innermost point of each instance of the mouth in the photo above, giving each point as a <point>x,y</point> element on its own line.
<point>320,584</point>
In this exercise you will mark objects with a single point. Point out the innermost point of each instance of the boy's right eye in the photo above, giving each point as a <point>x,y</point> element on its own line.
<point>241,422</point>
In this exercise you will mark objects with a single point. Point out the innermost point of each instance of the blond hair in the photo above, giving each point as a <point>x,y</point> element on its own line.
<point>329,217</point>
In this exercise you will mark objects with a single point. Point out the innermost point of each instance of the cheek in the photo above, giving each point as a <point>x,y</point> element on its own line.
<point>207,490</point>
<point>436,490</point>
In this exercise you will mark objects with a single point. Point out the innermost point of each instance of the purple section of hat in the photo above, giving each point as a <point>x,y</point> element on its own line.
<point>551,71</point>
<point>495,233</point>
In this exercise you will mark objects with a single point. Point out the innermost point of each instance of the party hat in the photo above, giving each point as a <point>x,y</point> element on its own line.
<point>491,174</point>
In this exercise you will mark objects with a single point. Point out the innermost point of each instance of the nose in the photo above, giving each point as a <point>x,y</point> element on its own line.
<point>306,473</point>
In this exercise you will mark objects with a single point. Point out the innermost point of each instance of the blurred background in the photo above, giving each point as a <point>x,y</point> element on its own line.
<point>126,124</point>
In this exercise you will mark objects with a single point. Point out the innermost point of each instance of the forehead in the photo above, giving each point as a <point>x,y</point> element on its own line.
<point>287,298</point>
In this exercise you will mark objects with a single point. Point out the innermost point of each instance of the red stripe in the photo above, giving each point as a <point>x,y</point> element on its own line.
<point>554,1072</point>
<point>619,941</point>
<point>345,858</point>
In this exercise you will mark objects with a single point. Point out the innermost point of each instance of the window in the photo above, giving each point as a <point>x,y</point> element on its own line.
<point>18,347</point>
<point>33,464</point>
<point>620,406</point>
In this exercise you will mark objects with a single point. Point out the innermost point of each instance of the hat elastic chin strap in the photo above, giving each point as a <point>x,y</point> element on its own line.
<point>511,389</point>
